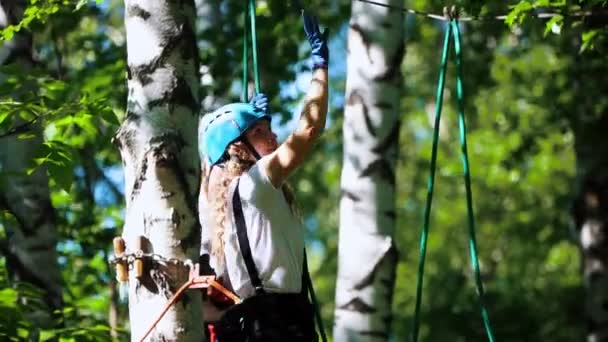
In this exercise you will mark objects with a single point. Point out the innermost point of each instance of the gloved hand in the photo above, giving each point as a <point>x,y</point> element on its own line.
<point>260,103</point>
<point>317,40</point>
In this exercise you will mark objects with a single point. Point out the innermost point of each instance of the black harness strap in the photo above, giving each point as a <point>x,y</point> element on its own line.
<point>252,149</point>
<point>241,233</point>
<point>313,298</point>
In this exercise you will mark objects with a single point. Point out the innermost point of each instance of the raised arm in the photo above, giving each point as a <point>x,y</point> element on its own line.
<point>291,153</point>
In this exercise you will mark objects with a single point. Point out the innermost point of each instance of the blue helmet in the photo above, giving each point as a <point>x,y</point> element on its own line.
<point>225,126</point>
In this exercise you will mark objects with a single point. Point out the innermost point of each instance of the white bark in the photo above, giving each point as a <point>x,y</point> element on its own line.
<point>367,253</point>
<point>31,248</point>
<point>590,213</point>
<point>158,144</point>
<point>591,224</point>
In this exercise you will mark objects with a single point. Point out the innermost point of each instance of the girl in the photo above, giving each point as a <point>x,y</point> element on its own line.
<point>256,237</point>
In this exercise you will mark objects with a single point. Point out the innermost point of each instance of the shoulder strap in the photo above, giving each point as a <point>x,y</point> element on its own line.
<point>241,233</point>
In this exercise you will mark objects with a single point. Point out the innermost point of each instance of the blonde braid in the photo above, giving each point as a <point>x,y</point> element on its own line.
<point>239,162</point>
<point>234,167</point>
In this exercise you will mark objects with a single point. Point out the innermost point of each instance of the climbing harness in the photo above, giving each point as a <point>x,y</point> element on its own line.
<point>267,316</point>
<point>451,29</point>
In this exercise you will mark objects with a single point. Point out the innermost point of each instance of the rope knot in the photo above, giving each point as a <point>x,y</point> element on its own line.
<point>451,13</point>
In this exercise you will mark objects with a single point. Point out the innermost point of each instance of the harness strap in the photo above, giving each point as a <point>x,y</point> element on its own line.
<point>241,233</point>
<point>255,153</point>
<point>313,298</point>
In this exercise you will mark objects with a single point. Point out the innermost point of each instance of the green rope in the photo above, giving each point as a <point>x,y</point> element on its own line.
<point>431,180</point>
<point>254,47</point>
<point>249,17</point>
<point>245,59</point>
<point>467,181</point>
<point>452,26</point>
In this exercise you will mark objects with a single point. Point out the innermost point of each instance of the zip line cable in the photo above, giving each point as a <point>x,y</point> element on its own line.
<point>443,17</point>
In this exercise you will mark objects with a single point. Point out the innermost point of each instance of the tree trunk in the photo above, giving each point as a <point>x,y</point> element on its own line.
<point>589,123</point>
<point>31,250</point>
<point>158,145</point>
<point>591,221</point>
<point>367,253</point>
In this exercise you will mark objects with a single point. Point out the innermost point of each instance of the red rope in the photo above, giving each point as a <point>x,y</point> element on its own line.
<point>172,301</point>
<point>195,281</point>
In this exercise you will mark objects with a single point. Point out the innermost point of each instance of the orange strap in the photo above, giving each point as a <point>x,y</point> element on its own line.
<point>193,282</point>
<point>167,306</point>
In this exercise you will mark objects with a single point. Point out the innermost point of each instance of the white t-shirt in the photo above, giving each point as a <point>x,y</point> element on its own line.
<point>276,236</point>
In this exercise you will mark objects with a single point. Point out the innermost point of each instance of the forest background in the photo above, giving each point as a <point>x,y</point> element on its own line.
<point>536,111</point>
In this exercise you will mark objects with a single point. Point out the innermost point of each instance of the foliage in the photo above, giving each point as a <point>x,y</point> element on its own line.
<point>38,12</point>
<point>586,14</point>
<point>521,107</point>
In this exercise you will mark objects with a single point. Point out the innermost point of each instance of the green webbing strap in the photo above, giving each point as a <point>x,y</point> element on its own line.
<point>451,29</point>
<point>254,47</point>
<point>245,53</point>
<point>250,11</point>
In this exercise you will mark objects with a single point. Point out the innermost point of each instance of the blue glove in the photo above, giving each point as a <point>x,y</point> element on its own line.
<point>259,102</point>
<point>317,40</point>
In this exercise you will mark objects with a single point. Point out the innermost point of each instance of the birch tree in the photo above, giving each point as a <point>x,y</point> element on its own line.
<point>367,254</point>
<point>590,210</point>
<point>591,221</point>
<point>158,145</point>
<point>32,238</point>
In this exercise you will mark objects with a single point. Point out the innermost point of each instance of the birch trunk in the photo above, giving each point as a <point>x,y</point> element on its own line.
<point>367,253</point>
<point>591,221</point>
<point>158,144</point>
<point>31,249</point>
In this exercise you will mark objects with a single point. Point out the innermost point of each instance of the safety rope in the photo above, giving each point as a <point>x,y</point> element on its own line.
<point>249,17</point>
<point>195,281</point>
<point>451,29</point>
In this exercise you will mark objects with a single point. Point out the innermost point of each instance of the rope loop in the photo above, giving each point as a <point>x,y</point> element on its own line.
<point>452,30</point>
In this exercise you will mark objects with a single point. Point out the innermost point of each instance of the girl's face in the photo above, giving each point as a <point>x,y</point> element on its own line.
<point>260,136</point>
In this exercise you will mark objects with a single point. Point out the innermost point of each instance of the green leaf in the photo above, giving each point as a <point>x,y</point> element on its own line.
<point>107,114</point>
<point>8,297</point>
<point>62,175</point>
<point>80,4</point>
<point>4,116</point>
<point>518,13</point>
<point>556,21</point>
<point>589,39</point>
<point>8,33</point>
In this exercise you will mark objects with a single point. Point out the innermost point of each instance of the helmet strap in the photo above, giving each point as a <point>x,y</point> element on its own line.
<point>255,153</point>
